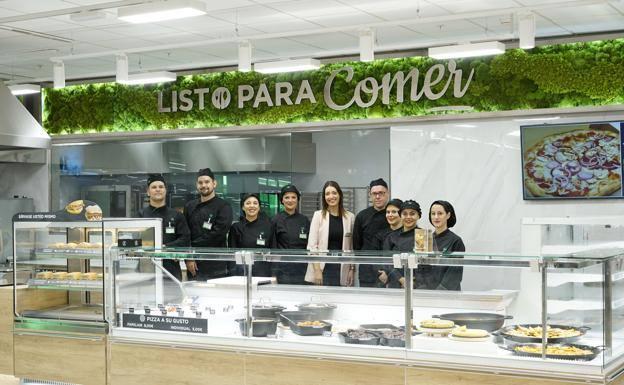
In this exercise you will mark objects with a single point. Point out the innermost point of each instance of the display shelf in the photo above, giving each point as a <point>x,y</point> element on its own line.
<point>560,306</point>
<point>559,279</point>
<point>69,253</point>
<point>73,285</point>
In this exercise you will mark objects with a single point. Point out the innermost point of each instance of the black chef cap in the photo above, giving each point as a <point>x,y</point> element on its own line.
<point>151,178</point>
<point>396,202</point>
<point>378,182</point>
<point>449,209</point>
<point>247,196</point>
<point>289,188</point>
<point>411,204</point>
<point>206,172</point>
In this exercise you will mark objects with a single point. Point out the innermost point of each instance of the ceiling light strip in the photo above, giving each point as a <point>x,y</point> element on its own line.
<point>161,10</point>
<point>287,66</point>
<point>487,48</point>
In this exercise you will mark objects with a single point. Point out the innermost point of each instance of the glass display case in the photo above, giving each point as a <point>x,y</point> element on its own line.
<point>493,324</point>
<point>66,261</point>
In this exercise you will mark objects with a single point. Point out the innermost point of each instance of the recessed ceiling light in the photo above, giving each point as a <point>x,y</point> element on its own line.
<point>25,89</point>
<point>272,67</point>
<point>161,10</point>
<point>487,48</point>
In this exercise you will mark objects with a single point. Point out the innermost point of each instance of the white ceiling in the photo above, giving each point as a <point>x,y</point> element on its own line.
<point>276,28</point>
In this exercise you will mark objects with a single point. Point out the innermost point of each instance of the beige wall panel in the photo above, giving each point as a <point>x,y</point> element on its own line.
<point>78,361</point>
<point>6,352</point>
<point>6,309</point>
<point>139,364</point>
<point>265,370</point>
<point>435,377</point>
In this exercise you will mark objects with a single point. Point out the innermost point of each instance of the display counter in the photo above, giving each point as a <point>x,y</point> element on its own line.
<point>293,328</point>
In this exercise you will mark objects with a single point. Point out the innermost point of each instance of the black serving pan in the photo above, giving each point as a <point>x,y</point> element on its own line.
<point>587,357</point>
<point>321,310</point>
<point>372,339</point>
<point>308,330</point>
<point>393,341</point>
<point>504,332</point>
<point>262,310</point>
<point>260,327</point>
<point>287,316</point>
<point>485,321</point>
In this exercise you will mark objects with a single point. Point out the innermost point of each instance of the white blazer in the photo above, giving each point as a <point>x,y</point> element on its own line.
<point>319,236</point>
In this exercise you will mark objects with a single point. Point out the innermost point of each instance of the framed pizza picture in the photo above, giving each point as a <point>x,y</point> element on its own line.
<point>572,161</point>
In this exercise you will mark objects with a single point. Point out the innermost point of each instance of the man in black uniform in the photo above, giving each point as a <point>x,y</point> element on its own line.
<point>368,224</point>
<point>175,231</point>
<point>209,218</point>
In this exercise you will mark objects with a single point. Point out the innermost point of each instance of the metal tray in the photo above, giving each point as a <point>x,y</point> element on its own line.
<point>588,357</point>
<point>504,331</point>
<point>373,340</point>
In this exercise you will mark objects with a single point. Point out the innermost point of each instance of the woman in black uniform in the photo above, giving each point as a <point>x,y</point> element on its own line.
<point>442,217</point>
<point>403,239</point>
<point>290,231</point>
<point>393,218</point>
<point>253,231</point>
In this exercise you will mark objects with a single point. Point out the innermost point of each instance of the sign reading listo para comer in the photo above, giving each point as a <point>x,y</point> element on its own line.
<point>438,79</point>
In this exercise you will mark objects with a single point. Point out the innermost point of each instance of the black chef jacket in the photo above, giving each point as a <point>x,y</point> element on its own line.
<point>253,235</point>
<point>401,241</point>
<point>175,233</point>
<point>368,224</point>
<point>209,223</point>
<point>290,232</point>
<point>446,277</point>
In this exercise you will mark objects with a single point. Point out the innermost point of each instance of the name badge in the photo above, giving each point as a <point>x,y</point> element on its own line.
<point>347,235</point>
<point>207,225</point>
<point>170,230</point>
<point>303,236</point>
<point>260,242</point>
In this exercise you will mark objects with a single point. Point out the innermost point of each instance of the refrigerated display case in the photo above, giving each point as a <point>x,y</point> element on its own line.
<point>58,316</point>
<point>404,326</point>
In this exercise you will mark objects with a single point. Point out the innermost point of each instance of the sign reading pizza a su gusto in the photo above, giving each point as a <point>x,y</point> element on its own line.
<point>579,74</point>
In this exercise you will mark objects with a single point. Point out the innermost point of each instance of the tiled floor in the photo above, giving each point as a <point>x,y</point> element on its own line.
<point>8,380</point>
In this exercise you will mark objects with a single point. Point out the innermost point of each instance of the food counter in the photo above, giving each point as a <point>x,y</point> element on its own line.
<point>251,326</point>
<point>250,330</point>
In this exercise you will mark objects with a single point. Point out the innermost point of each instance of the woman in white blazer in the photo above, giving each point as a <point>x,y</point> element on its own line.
<point>331,229</point>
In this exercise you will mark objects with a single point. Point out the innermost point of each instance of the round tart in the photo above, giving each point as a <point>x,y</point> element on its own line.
<point>464,332</point>
<point>435,323</point>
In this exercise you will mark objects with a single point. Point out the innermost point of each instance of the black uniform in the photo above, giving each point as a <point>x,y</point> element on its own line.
<point>175,233</point>
<point>290,232</point>
<point>446,277</point>
<point>209,223</point>
<point>368,224</point>
<point>402,241</point>
<point>253,235</point>
<point>426,276</point>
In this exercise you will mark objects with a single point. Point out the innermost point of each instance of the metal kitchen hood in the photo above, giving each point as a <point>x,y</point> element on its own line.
<point>18,129</point>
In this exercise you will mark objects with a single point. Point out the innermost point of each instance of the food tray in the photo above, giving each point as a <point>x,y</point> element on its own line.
<point>526,339</point>
<point>373,340</point>
<point>392,342</point>
<point>376,327</point>
<point>287,316</point>
<point>309,330</point>
<point>588,357</point>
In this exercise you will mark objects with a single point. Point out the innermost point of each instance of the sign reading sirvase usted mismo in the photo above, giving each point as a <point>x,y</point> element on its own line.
<point>438,79</point>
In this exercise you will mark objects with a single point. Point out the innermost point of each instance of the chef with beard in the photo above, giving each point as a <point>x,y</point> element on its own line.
<point>209,218</point>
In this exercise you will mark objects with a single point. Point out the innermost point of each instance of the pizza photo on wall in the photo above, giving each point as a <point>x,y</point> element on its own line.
<point>581,160</point>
